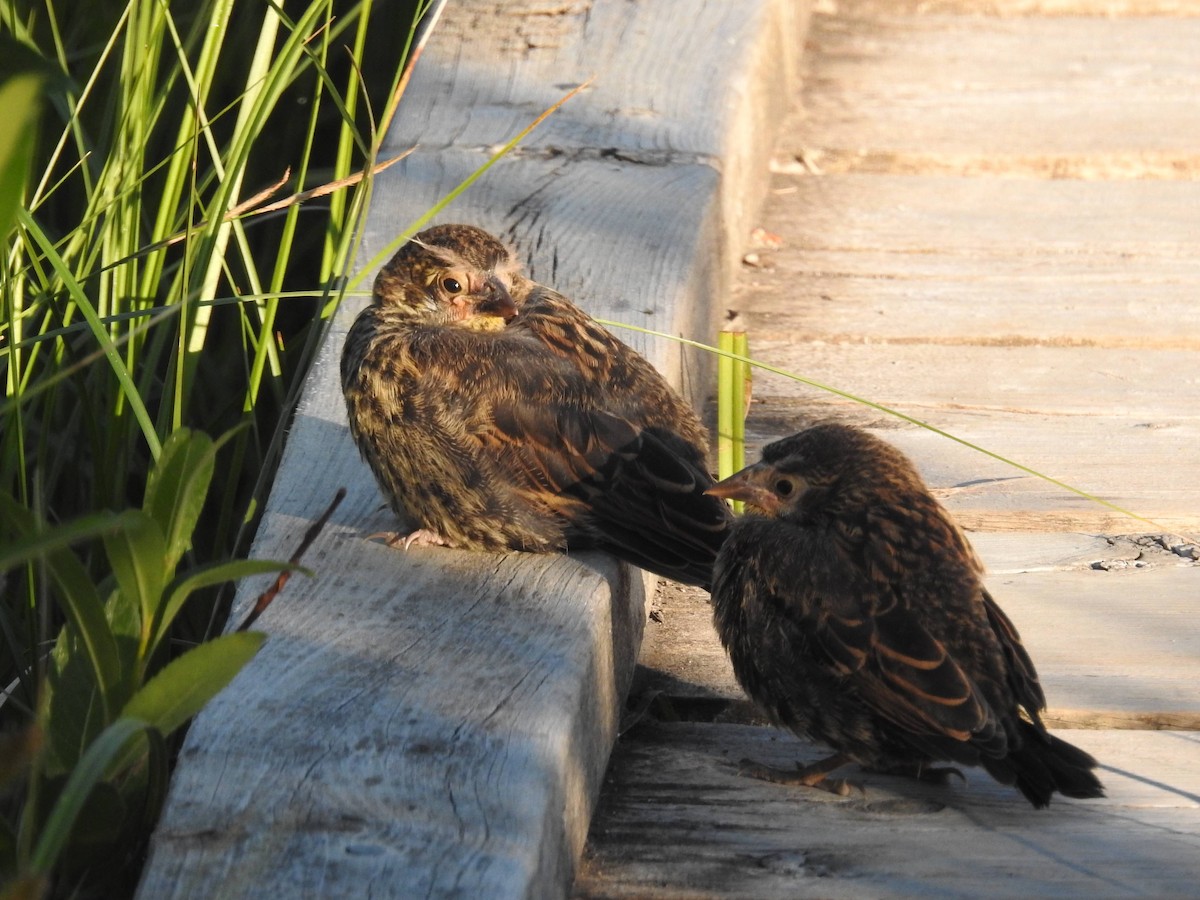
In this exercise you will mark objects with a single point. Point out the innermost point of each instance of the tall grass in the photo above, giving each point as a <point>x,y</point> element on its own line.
<point>143,296</point>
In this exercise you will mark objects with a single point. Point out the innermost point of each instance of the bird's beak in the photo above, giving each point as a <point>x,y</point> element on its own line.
<point>497,301</point>
<point>752,486</point>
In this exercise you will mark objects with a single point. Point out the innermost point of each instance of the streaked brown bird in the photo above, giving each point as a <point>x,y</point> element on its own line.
<point>854,614</point>
<point>498,415</point>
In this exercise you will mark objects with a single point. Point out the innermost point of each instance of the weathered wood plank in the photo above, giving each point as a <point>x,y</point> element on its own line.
<point>1016,262</point>
<point>436,723</point>
<point>982,224</point>
<point>1009,9</point>
<point>679,821</point>
<point>1145,385</point>
<point>1004,86</point>
<point>1064,302</point>
<point>1142,465</point>
<point>674,83</point>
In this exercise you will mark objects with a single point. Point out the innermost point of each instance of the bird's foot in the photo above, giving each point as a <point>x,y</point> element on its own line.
<point>422,537</point>
<point>815,775</point>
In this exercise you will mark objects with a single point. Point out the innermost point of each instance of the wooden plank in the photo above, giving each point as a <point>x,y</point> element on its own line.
<point>1105,642</point>
<point>886,258</point>
<point>1097,87</point>
<point>1107,302</point>
<point>679,821</point>
<point>432,722</point>
<point>1143,385</point>
<point>1124,9</point>
<point>899,224</point>
<point>1141,465</point>
<point>710,101</point>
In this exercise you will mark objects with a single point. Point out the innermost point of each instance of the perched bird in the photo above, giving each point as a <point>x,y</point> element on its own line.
<point>854,614</point>
<point>498,415</point>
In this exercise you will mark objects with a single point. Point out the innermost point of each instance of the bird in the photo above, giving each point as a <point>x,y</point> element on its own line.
<point>854,613</point>
<point>497,415</point>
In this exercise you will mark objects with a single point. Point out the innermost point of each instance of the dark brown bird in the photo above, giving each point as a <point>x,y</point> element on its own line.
<point>854,614</point>
<point>498,415</point>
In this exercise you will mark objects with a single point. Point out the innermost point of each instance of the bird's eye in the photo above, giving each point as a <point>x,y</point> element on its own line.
<point>784,487</point>
<point>452,285</point>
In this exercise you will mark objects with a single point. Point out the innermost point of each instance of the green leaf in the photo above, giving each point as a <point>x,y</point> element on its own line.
<point>85,612</point>
<point>179,590</point>
<point>137,553</point>
<point>182,688</point>
<point>95,763</point>
<point>177,486</point>
<point>74,715</point>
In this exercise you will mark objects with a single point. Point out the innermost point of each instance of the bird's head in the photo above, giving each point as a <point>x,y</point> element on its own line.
<point>453,275</point>
<point>816,468</point>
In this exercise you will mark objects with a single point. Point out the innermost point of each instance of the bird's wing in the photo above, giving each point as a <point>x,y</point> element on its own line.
<point>881,648</point>
<point>901,538</point>
<point>1022,676</point>
<point>644,491</point>
<point>635,490</point>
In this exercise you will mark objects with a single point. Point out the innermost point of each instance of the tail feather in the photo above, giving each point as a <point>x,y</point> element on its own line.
<point>1044,764</point>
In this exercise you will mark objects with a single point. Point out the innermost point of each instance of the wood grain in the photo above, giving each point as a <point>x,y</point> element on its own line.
<point>1034,84</point>
<point>682,823</point>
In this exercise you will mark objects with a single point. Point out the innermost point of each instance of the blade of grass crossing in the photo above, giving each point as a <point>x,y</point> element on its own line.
<point>888,411</point>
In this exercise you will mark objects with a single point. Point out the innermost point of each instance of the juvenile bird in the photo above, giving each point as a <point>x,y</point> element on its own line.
<point>854,614</point>
<point>498,415</point>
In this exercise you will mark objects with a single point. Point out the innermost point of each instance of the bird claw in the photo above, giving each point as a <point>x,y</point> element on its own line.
<point>814,776</point>
<point>422,537</point>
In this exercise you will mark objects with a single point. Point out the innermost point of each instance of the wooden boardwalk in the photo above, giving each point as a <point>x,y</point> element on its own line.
<point>987,216</point>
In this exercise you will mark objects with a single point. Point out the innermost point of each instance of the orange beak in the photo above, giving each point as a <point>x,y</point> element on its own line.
<point>752,486</point>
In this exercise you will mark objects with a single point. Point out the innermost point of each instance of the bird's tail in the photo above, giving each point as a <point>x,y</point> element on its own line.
<point>1044,764</point>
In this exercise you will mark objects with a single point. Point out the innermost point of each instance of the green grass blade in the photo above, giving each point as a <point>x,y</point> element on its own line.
<point>37,544</point>
<point>80,298</point>
<point>725,391</point>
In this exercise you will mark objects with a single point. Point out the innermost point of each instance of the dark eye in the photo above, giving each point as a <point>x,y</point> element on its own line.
<point>784,487</point>
<point>451,285</point>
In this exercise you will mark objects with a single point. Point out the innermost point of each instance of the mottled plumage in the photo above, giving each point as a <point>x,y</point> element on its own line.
<point>854,613</point>
<point>497,415</point>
